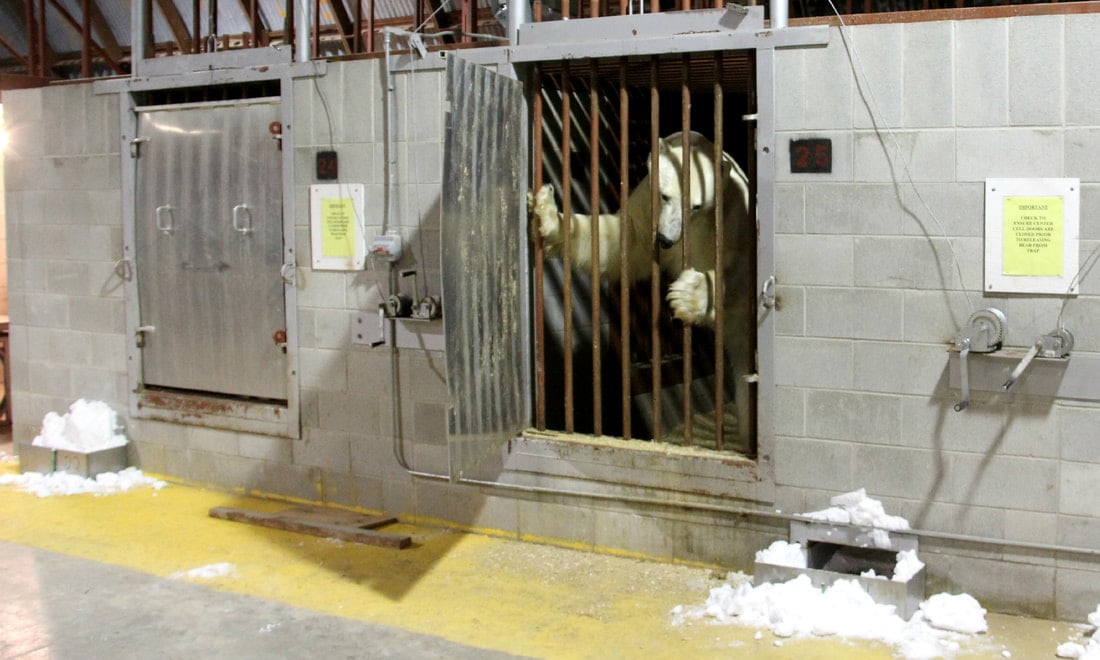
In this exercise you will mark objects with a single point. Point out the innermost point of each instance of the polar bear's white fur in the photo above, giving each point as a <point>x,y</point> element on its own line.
<point>691,294</point>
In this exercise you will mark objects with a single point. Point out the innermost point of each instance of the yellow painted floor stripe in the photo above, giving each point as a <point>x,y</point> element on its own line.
<point>472,589</point>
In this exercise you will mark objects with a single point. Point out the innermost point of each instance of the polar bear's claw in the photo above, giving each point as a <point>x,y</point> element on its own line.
<point>689,297</point>
<point>545,211</point>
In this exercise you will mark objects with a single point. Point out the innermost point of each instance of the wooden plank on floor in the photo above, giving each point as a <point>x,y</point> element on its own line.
<point>329,523</point>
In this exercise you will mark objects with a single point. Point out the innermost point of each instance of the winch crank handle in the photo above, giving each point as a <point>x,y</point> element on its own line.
<point>964,377</point>
<point>381,327</point>
<point>1019,370</point>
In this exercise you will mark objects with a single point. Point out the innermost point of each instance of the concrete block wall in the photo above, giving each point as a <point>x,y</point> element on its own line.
<point>875,264</point>
<point>64,227</point>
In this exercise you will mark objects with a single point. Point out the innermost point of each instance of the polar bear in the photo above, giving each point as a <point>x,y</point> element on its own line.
<point>691,294</point>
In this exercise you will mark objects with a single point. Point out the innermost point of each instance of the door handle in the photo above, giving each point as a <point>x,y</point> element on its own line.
<point>242,218</point>
<point>166,221</point>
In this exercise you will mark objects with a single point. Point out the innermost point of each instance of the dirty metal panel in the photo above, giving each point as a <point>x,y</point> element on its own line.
<point>484,281</point>
<point>209,249</point>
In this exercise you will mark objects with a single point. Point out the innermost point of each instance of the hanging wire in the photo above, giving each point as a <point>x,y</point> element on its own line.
<point>877,122</point>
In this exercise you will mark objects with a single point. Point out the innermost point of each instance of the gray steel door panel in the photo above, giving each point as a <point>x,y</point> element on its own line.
<point>484,283</point>
<point>209,242</point>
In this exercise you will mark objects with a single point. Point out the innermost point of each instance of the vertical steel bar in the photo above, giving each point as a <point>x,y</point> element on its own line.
<point>540,256</point>
<point>719,267</point>
<point>567,232</point>
<point>594,208</point>
<point>565,8</point>
<point>357,38</point>
<point>85,40</point>
<point>32,48</point>
<point>536,11</point>
<point>211,19</point>
<point>42,41</point>
<point>624,282</point>
<point>370,28</point>
<point>196,27</point>
<point>254,23</point>
<point>316,48</point>
<point>685,214</point>
<point>655,250</point>
<point>290,25</point>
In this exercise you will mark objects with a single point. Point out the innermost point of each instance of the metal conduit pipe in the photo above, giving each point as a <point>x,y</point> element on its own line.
<point>302,31</point>
<point>519,12</point>
<point>774,515</point>
<point>778,12</point>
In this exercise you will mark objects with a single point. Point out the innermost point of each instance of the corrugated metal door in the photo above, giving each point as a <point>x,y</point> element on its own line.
<point>484,281</point>
<point>209,241</point>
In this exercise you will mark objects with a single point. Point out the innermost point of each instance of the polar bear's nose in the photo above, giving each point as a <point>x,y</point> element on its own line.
<point>665,242</point>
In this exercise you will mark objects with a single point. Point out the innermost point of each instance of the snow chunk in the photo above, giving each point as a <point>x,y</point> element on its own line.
<point>63,483</point>
<point>856,508</point>
<point>1070,650</point>
<point>782,553</point>
<point>88,426</point>
<point>908,565</point>
<point>208,572</point>
<point>1086,651</point>
<point>1094,617</point>
<point>960,613</point>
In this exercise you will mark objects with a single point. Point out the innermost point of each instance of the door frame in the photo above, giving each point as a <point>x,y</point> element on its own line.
<point>197,409</point>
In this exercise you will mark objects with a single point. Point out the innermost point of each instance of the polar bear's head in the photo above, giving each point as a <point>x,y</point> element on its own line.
<point>670,223</point>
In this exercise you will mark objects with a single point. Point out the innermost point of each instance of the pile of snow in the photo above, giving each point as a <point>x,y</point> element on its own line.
<point>798,609</point>
<point>1089,651</point>
<point>88,426</point>
<point>782,553</point>
<point>855,508</point>
<point>208,572</point>
<point>63,483</point>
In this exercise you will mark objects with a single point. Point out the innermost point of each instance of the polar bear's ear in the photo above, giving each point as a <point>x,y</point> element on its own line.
<point>662,147</point>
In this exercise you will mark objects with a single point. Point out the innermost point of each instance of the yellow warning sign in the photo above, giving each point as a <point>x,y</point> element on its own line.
<point>1033,236</point>
<point>337,228</point>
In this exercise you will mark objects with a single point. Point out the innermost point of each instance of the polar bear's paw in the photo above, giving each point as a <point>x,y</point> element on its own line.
<point>690,297</point>
<point>544,211</point>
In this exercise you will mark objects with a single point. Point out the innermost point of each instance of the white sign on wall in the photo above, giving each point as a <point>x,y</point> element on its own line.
<point>1031,235</point>
<point>336,223</point>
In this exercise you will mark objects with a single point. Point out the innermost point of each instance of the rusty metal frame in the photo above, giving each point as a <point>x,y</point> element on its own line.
<point>562,81</point>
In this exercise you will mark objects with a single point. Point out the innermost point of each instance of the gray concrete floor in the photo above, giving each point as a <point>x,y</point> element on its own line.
<point>56,606</point>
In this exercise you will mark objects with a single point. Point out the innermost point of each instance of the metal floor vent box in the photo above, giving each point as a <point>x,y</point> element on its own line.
<point>836,552</point>
<point>33,458</point>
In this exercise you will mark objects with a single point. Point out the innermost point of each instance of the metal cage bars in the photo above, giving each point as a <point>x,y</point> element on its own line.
<point>563,80</point>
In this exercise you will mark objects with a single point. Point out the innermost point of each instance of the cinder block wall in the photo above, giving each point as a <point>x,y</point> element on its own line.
<point>870,294</point>
<point>64,229</point>
<point>869,300</point>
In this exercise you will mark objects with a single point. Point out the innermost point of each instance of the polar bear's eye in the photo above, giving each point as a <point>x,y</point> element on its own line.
<point>665,198</point>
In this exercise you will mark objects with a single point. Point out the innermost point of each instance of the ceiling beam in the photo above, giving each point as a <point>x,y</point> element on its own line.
<point>103,29</point>
<point>176,23</point>
<point>76,25</point>
<point>257,25</point>
<point>347,26</point>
